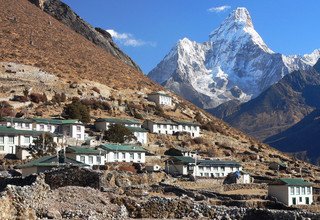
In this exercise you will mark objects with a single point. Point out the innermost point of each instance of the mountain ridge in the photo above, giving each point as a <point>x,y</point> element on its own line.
<point>234,63</point>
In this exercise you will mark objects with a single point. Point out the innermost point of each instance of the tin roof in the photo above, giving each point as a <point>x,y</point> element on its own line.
<point>122,147</point>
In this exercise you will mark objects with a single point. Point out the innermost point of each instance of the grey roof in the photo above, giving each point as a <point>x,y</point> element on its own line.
<point>187,160</point>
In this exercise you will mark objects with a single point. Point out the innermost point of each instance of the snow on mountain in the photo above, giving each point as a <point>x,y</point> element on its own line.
<point>234,63</point>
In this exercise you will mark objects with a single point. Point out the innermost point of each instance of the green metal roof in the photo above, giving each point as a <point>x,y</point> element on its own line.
<point>48,161</point>
<point>187,160</point>
<point>163,122</point>
<point>293,182</point>
<point>184,159</point>
<point>82,150</point>
<point>122,147</point>
<point>136,129</point>
<point>119,120</point>
<point>12,131</point>
<point>160,93</point>
<point>56,121</point>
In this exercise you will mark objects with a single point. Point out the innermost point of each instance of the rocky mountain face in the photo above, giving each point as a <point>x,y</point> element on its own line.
<point>234,64</point>
<point>276,113</point>
<point>98,36</point>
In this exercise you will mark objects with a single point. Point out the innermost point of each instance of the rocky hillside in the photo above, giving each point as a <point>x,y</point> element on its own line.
<point>234,64</point>
<point>69,63</point>
<point>98,36</point>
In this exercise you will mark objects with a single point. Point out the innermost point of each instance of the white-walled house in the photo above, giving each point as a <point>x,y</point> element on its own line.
<point>291,191</point>
<point>46,163</point>
<point>102,124</point>
<point>181,165</point>
<point>160,98</point>
<point>86,155</point>
<point>124,153</point>
<point>172,127</point>
<point>72,128</point>
<point>10,138</point>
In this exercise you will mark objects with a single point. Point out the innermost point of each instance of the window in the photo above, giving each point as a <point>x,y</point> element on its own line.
<point>1,148</point>
<point>116,156</point>
<point>308,190</point>
<point>78,128</point>
<point>158,126</point>
<point>49,127</point>
<point>27,140</point>
<point>123,156</point>
<point>200,168</point>
<point>217,175</point>
<point>131,156</point>
<point>19,125</point>
<point>11,140</point>
<point>41,127</point>
<point>222,168</point>
<point>78,136</point>
<point>303,191</point>
<point>98,159</point>
<point>82,159</point>
<point>165,126</point>
<point>139,156</point>
<point>291,190</point>
<point>1,139</point>
<point>300,199</point>
<point>27,125</point>
<point>298,190</point>
<point>90,159</point>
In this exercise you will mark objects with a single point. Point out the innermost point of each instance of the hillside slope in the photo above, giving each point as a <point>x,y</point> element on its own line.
<point>30,36</point>
<point>98,36</point>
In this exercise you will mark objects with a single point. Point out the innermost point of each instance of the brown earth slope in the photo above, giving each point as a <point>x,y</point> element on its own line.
<point>32,37</point>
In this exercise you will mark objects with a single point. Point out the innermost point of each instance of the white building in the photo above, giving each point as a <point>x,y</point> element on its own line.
<point>172,127</point>
<point>160,98</point>
<point>124,153</point>
<point>72,128</point>
<point>47,163</point>
<point>86,155</point>
<point>180,165</point>
<point>102,124</point>
<point>10,138</point>
<point>291,191</point>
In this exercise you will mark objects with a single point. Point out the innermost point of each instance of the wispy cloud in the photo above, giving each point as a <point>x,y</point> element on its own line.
<point>219,9</point>
<point>128,39</point>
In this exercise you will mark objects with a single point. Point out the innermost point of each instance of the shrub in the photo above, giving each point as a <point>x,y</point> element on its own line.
<point>118,134</point>
<point>199,140</point>
<point>77,110</point>
<point>138,115</point>
<point>96,104</point>
<point>19,98</point>
<point>5,109</point>
<point>37,97</point>
<point>58,98</point>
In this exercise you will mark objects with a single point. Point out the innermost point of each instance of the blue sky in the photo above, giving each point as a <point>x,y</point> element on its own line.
<point>147,29</point>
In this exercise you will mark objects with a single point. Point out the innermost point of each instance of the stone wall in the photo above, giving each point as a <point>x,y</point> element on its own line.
<point>231,187</point>
<point>17,181</point>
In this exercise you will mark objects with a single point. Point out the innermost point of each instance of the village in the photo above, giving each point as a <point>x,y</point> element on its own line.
<point>45,144</point>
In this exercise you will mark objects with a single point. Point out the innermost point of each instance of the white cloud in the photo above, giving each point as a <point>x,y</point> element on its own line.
<point>219,9</point>
<point>128,39</point>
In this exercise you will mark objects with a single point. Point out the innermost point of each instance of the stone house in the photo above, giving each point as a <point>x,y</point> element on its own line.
<point>181,165</point>
<point>86,155</point>
<point>102,124</point>
<point>124,153</point>
<point>47,163</point>
<point>160,98</point>
<point>291,191</point>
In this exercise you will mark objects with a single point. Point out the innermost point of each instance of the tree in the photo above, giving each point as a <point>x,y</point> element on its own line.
<point>118,134</point>
<point>77,110</point>
<point>44,145</point>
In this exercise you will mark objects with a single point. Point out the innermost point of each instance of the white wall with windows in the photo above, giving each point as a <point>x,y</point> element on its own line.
<point>160,99</point>
<point>122,156</point>
<point>8,143</point>
<point>292,195</point>
<point>90,159</point>
<point>18,125</point>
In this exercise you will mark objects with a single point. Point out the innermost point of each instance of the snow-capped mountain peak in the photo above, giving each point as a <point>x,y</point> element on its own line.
<point>235,63</point>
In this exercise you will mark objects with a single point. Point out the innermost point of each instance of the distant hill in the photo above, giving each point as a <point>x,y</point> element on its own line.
<point>278,108</point>
<point>303,136</point>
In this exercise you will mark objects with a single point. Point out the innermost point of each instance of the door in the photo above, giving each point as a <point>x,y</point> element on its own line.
<point>307,201</point>
<point>294,201</point>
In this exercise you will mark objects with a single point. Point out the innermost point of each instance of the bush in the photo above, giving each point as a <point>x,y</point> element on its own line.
<point>199,140</point>
<point>58,98</point>
<point>138,115</point>
<point>37,97</point>
<point>19,98</point>
<point>5,109</point>
<point>96,104</point>
<point>77,110</point>
<point>118,134</point>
